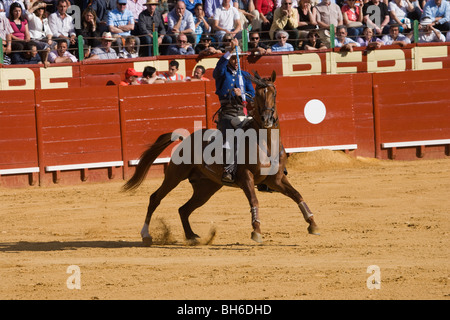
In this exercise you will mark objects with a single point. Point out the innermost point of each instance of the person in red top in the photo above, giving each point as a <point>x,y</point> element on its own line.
<point>352,16</point>
<point>265,9</point>
<point>131,77</point>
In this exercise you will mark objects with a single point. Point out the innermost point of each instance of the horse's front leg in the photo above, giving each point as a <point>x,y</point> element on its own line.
<point>283,185</point>
<point>309,217</point>
<point>247,184</point>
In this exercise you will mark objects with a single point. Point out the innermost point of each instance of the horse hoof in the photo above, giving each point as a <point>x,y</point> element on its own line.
<point>193,241</point>
<point>257,237</point>
<point>147,241</point>
<point>313,230</point>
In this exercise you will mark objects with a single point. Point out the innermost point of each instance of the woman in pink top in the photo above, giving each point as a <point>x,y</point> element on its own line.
<point>20,27</point>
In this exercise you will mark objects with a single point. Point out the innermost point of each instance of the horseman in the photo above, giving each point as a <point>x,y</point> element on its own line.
<point>233,97</point>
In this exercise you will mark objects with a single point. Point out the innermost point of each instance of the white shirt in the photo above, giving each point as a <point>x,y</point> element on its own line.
<point>423,37</point>
<point>136,7</point>
<point>400,12</point>
<point>60,26</point>
<point>39,29</point>
<point>226,17</point>
<point>5,27</point>
<point>347,40</point>
<point>54,54</point>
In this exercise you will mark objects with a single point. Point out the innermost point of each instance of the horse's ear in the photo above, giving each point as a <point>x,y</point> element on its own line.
<point>274,76</point>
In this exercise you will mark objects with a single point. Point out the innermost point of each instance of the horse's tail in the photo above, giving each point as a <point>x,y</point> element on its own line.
<point>146,160</point>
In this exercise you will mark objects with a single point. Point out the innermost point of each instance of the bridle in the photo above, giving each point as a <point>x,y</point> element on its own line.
<point>266,108</point>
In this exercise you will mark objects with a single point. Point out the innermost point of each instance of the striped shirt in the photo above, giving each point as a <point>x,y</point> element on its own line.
<point>102,54</point>
<point>117,18</point>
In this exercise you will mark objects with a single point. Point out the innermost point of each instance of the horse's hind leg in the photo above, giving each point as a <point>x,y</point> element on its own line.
<point>282,185</point>
<point>203,191</point>
<point>169,183</point>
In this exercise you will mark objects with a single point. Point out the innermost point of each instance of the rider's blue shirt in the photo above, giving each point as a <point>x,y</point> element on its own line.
<point>226,79</point>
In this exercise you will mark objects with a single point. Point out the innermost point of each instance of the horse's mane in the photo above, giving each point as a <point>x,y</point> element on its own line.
<point>260,82</point>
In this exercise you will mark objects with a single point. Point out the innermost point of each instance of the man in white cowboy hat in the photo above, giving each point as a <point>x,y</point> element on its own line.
<point>104,51</point>
<point>149,19</point>
<point>428,33</point>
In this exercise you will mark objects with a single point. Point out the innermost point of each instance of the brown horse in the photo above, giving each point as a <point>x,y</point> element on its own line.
<point>205,178</point>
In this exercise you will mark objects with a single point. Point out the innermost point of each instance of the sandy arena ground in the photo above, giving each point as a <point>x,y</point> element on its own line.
<point>394,215</point>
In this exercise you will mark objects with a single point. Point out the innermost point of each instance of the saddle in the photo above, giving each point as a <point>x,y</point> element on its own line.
<point>240,122</point>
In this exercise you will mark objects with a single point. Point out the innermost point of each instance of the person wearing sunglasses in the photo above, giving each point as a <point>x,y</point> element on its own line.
<point>226,42</point>
<point>182,46</point>
<point>256,46</point>
<point>121,23</point>
<point>313,42</point>
<point>282,44</point>
<point>286,18</point>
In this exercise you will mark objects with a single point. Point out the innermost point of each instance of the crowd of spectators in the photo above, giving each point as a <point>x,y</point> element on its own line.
<point>150,75</point>
<point>125,28</point>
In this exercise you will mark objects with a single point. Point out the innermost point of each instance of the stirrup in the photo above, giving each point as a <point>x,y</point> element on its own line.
<point>227,178</point>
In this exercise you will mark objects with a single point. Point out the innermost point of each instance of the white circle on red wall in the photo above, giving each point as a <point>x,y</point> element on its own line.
<point>315,111</point>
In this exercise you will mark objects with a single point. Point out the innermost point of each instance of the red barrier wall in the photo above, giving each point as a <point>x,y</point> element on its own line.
<point>77,128</point>
<point>18,144</point>
<point>413,109</point>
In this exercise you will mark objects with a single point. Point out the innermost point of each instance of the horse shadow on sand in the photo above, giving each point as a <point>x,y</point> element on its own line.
<point>26,246</point>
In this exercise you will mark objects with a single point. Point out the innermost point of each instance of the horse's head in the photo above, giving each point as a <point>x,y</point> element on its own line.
<point>265,111</point>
